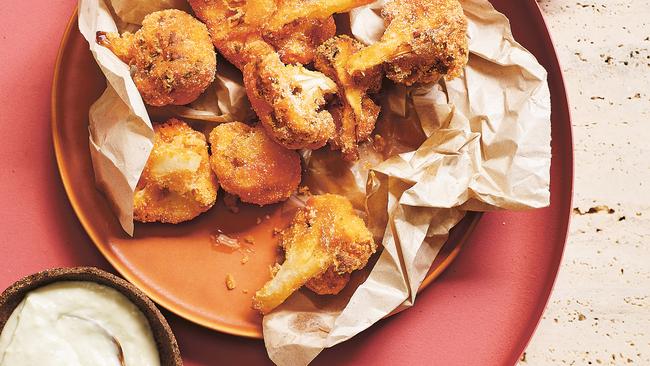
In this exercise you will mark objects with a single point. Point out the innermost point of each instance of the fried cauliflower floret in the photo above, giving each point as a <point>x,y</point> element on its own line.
<point>325,234</point>
<point>172,55</point>
<point>354,113</point>
<point>177,183</point>
<point>235,23</point>
<point>251,165</point>
<point>289,101</point>
<point>424,40</point>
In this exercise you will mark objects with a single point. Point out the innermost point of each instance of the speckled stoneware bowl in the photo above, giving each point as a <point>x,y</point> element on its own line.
<point>165,340</point>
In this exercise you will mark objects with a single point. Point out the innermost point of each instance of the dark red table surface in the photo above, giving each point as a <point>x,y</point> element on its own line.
<point>481,311</point>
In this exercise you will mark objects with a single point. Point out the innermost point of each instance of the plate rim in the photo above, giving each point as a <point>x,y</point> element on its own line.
<point>127,275</point>
<point>555,68</point>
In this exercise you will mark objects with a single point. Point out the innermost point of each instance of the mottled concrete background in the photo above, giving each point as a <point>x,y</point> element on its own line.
<point>599,312</point>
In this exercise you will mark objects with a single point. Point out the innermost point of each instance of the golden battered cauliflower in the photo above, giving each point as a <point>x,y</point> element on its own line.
<point>354,112</point>
<point>172,56</point>
<point>235,23</point>
<point>424,40</point>
<point>325,234</point>
<point>289,101</point>
<point>251,165</point>
<point>177,183</point>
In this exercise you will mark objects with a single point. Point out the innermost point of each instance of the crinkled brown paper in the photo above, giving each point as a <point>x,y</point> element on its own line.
<point>479,142</point>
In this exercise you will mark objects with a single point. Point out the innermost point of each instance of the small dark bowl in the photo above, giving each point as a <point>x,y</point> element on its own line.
<point>165,340</point>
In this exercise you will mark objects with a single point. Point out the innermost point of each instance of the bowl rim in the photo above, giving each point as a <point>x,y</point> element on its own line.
<point>13,295</point>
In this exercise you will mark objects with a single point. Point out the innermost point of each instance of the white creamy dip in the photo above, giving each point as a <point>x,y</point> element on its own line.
<point>77,323</point>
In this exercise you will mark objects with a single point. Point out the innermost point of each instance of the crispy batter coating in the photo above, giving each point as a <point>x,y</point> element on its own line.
<point>424,40</point>
<point>251,165</point>
<point>325,233</point>
<point>329,282</point>
<point>172,54</point>
<point>289,100</point>
<point>355,113</point>
<point>177,183</point>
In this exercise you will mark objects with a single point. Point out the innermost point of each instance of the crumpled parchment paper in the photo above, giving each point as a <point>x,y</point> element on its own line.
<point>479,142</point>
<point>121,135</point>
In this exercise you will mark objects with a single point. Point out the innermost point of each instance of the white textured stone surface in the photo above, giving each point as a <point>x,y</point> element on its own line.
<point>599,312</point>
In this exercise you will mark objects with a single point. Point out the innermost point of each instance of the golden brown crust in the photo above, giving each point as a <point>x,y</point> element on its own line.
<point>326,233</point>
<point>424,40</point>
<point>329,282</point>
<point>251,165</point>
<point>172,54</point>
<point>297,41</point>
<point>354,113</point>
<point>177,183</point>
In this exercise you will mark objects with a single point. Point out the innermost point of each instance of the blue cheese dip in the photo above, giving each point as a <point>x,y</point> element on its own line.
<point>77,323</point>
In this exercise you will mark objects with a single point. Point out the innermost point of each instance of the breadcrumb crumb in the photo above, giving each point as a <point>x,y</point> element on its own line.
<point>221,239</point>
<point>230,282</point>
